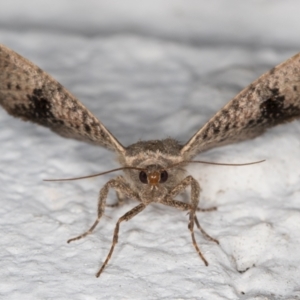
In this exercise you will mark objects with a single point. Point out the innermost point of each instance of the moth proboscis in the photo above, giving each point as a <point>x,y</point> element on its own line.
<point>154,171</point>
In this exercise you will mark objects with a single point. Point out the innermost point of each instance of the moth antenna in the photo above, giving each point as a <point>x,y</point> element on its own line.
<point>215,163</point>
<point>223,164</point>
<point>95,175</point>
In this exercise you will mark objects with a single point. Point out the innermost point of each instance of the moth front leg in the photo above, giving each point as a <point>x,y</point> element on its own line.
<point>192,207</point>
<point>120,196</point>
<point>195,192</point>
<point>129,215</point>
<point>120,186</point>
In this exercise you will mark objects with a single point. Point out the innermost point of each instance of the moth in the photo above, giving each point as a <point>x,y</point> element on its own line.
<point>153,171</point>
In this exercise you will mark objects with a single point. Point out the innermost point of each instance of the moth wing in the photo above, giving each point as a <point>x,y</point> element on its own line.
<point>29,93</point>
<point>272,99</point>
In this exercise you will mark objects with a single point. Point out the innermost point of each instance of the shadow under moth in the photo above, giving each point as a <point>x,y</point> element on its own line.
<point>153,171</point>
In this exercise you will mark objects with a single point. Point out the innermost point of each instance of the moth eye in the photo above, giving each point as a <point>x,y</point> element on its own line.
<point>163,176</point>
<point>143,177</point>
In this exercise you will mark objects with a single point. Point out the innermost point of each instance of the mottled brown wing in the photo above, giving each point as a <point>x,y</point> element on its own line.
<point>272,99</point>
<point>29,93</point>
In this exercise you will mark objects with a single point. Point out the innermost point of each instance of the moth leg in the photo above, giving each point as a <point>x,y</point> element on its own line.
<point>213,208</point>
<point>205,233</point>
<point>195,193</point>
<point>116,184</point>
<point>185,206</point>
<point>182,186</point>
<point>176,203</point>
<point>120,196</point>
<point>129,215</point>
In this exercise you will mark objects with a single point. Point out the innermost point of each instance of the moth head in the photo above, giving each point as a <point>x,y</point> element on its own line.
<point>154,181</point>
<point>155,175</point>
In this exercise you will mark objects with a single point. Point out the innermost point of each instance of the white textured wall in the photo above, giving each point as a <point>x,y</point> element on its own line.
<point>150,70</point>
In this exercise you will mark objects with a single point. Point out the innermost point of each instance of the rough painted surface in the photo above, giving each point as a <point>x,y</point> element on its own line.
<point>148,89</point>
